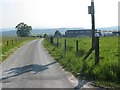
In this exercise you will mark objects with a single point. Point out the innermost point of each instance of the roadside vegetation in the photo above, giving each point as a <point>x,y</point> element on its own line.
<point>9,44</point>
<point>106,73</point>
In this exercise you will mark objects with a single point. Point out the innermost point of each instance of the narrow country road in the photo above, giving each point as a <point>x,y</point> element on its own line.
<point>32,67</point>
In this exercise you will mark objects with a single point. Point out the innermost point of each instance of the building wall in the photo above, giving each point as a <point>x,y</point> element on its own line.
<point>78,33</point>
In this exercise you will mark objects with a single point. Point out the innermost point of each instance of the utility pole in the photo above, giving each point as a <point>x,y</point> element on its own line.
<point>95,38</point>
<point>92,12</point>
<point>93,23</point>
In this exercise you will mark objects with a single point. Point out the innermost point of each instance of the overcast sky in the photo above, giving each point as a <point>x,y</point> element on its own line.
<point>57,13</point>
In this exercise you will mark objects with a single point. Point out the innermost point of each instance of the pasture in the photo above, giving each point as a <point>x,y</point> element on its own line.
<point>107,72</point>
<point>9,44</point>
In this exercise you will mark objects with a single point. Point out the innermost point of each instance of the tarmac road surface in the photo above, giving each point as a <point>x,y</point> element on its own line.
<point>32,67</point>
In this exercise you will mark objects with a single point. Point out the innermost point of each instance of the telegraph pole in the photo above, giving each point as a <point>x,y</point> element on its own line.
<point>92,12</point>
<point>93,22</point>
<point>95,38</point>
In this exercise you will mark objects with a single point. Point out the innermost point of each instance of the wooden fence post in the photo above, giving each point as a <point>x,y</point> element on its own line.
<point>65,45</point>
<point>7,43</point>
<point>51,40</point>
<point>96,50</point>
<point>76,47</point>
<point>57,41</point>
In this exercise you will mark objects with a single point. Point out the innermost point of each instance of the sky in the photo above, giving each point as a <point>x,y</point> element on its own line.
<point>57,13</point>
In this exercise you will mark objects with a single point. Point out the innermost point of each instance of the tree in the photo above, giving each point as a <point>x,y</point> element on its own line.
<point>45,35</point>
<point>57,33</point>
<point>23,30</point>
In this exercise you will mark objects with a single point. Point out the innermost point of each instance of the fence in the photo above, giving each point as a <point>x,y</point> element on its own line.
<point>8,43</point>
<point>55,41</point>
<point>77,48</point>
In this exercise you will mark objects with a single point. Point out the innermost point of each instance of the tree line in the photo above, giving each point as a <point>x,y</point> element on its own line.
<point>23,30</point>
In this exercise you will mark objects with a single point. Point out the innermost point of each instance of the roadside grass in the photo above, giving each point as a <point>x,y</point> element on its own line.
<point>107,72</point>
<point>7,50</point>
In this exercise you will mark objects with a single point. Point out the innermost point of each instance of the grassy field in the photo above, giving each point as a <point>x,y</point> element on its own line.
<point>9,44</point>
<point>107,72</point>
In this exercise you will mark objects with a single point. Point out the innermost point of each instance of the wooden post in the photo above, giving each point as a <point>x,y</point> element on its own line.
<point>51,40</point>
<point>57,41</point>
<point>76,47</point>
<point>93,22</point>
<point>89,52</point>
<point>96,50</point>
<point>65,45</point>
<point>7,43</point>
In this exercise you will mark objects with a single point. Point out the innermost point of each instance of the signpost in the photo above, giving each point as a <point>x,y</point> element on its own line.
<point>92,12</point>
<point>95,39</point>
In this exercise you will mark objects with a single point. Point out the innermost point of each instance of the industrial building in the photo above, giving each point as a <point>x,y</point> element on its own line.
<point>78,33</point>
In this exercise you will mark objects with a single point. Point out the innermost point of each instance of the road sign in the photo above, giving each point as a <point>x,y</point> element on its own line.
<point>90,10</point>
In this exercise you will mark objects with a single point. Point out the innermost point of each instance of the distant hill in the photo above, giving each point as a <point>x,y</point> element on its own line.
<point>52,31</point>
<point>39,31</point>
<point>9,33</point>
<point>12,32</point>
<point>109,28</point>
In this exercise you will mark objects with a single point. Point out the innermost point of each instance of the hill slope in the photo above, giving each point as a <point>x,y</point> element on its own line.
<point>12,32</point>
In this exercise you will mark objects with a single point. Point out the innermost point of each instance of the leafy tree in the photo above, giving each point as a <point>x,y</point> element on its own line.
<point>45,35</point>
<point>23,30</point>
<point>57,33</point>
